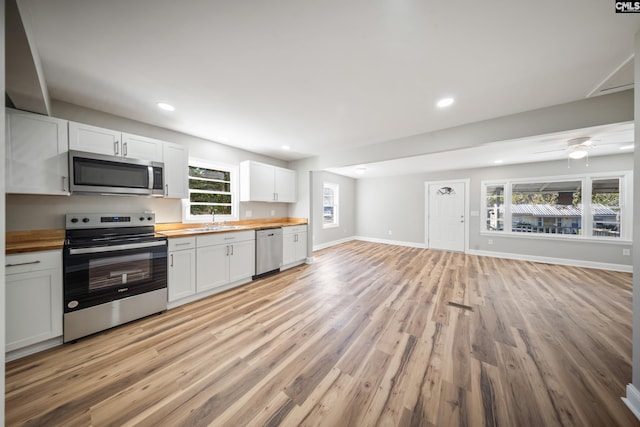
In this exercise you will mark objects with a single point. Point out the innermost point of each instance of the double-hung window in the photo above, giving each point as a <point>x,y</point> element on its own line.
<point>594,206</point>
<point>330,205</point>
<point>212,190</point>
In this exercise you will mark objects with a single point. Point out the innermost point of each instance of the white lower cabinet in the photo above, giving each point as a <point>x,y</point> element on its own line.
<point>294,245</point>
<point>225,259</point>
<point>33,300</point>
<point>182,268</point>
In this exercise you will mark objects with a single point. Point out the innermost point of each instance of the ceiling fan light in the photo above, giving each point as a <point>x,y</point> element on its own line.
<point>578,154</point>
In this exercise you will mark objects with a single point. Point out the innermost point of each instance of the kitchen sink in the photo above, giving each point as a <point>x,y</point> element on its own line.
<point>204,229</point>
<point>218,228</point>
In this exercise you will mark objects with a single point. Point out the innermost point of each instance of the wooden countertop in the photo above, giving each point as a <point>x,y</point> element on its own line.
<point>46,240</point>
<point>173,230</point>
<point>18,242</point>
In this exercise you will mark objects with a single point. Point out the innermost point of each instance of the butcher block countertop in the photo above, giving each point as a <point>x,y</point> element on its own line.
<point>46,240</point>
<point>184,230</point>
<point>18,242</point>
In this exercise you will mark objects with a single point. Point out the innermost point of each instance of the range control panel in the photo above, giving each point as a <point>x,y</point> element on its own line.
<point>92,220</point>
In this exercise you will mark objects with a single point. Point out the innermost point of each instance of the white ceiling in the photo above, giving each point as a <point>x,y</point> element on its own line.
<point>323,75</point>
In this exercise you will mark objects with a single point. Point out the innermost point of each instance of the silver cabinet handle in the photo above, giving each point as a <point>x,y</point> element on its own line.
<point>227,247</point>
<point>166,190</point>
<point>231,249</point>
<point>183,244</point>
<point>64,187</point>
<point>22,263</point>
<point>124,148</point>
<point>171,260</point>
<point>116,148</point>
<point>229,238</point>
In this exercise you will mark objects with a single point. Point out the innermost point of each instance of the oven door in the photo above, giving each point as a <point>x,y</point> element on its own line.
<point>95,275</point>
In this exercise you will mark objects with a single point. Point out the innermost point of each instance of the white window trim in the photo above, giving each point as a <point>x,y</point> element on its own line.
<point>187,218</point>
<point>626,206</point>
<point>336,204</point>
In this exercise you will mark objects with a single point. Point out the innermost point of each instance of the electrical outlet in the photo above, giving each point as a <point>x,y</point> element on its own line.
<point>248,214</point>
<point>626,252</point>
<point>390,232</point>
<point>273,213</point>
<point>490,241</point>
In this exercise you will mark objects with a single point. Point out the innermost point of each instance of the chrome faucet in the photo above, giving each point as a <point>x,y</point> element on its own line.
<point>213,222</point>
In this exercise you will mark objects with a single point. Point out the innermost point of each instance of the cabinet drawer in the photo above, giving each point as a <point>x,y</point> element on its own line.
<point>294,229</point>
<point>182,243</point>
<point>222,238</point>
<point>32,261</point>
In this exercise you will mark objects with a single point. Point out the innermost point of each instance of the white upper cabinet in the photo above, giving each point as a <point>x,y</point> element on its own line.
<point>36,154</point>
<point>260,182</point>
<point>141,147</point>
<point>176,171</point>
<point>285,185</point>
<point>99,140</point>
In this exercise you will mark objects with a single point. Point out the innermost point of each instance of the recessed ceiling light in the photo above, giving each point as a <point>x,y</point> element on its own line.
<point>286,148</point>
<point>166,107</point>
<point>445,102</point>
<point>497,162</point>
<point>361,170</point>
<point>628,147</point>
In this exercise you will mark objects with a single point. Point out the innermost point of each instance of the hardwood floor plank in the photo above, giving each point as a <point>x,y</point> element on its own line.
<point>364,336</point>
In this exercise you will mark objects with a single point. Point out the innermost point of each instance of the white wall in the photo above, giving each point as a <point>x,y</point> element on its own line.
<point>346,208</point>
<point>636,245</point>
<point>398,204</point>
<point>2,219</point>
<point>28,212</point>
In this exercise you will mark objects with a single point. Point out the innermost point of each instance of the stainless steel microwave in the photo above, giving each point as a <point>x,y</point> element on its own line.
<point>104,174</point>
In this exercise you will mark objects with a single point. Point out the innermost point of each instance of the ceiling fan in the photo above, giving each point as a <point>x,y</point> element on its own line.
<point>578,148</point>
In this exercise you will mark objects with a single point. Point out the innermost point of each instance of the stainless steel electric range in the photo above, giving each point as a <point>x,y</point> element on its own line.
<point>115,271</point>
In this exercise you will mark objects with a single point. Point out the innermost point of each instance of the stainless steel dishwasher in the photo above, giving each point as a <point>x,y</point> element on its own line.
<point>268,251</point>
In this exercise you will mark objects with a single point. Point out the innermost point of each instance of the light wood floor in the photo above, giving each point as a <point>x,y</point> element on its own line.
<point>363,337</point>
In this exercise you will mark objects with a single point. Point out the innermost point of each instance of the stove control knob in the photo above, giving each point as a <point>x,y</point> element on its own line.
<point>141,218</point>
<point>85,220</point>
<point>74,220</point>
<point>150,218</point>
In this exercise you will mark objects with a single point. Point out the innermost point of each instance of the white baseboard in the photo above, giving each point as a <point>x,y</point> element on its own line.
<point>633,400</point>
<point>392,242</point>
<point>520,257</point>
<point>333,243</point>
<point>559,261</point>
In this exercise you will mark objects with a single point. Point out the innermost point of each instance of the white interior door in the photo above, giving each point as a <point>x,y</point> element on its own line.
<point>447,216</point>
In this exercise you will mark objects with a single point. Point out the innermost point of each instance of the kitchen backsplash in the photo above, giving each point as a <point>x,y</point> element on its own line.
<point>31,212</point>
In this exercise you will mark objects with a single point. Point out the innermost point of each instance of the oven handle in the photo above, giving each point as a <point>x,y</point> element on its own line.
<point>113,248</point>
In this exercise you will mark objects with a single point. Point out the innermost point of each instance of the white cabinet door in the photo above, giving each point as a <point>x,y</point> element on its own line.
<point>285,185</point>
<point>182,274</point>
<point>256,181</point>
<point>141,147</point>
<point>176,171</point>
<point>301,247</point>
<point>212,267</point>
<point>288,248</point>
<point>33,298</point>
<point>36,154</point>
<point>94,139</point>
<point>242,260</point>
